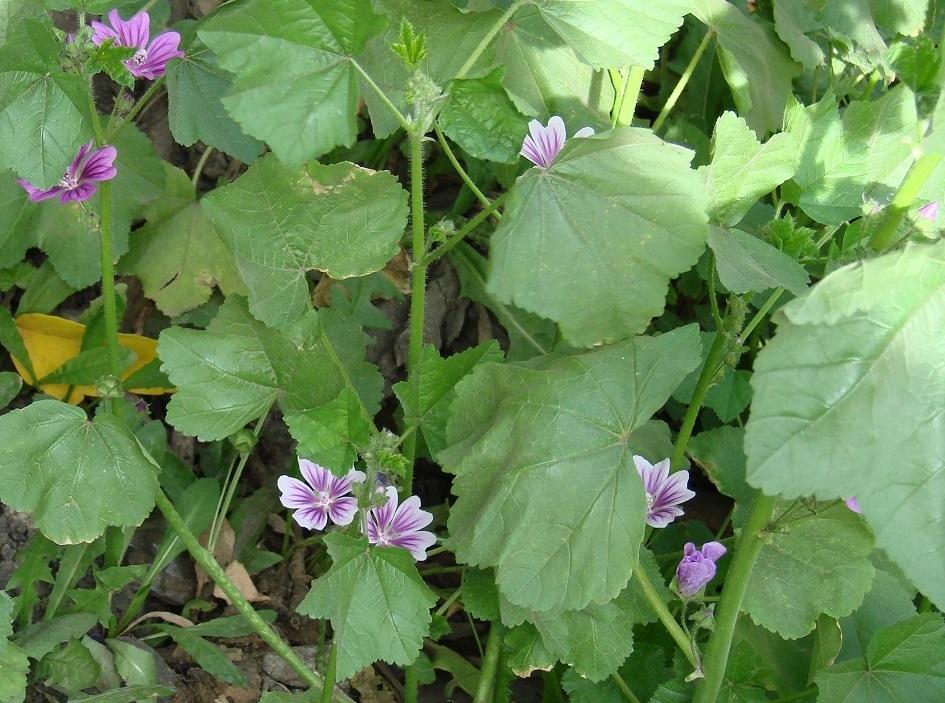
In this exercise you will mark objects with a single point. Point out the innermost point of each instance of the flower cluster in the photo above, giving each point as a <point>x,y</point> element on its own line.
<point>150,59</point>
<point>91,166</point>
<point>324,496</point>
<point>543,143</point>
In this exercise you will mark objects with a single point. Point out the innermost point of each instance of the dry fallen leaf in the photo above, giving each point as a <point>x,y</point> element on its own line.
<point>52,341</point>
<point>244,584</point>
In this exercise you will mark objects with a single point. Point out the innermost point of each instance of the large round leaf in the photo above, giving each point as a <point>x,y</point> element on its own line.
<point>592,241</point>
<point>849,399</point>
<point>546,488</point>
<point>76,476</point>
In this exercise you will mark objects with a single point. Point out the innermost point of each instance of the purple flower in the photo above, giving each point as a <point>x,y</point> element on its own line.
<point>78,183</point>
<point>930,211</point>
<point>663,492</point>
<point>542,144</point>
<point>697,567</point>
<point>853,505</point>
<point>322,496</point>
<point>400,526</point>
<point>149,61</point>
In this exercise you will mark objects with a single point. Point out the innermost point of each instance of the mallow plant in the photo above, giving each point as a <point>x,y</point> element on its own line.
<point>695,448</point>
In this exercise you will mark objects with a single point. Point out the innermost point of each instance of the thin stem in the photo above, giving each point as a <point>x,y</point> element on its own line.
<point>330,673</point>
<point>622,113</point>
<point>149,93</point>
<point>466,229</point>
<point>96,120</point>
<point>747,547</point>
<point>713,302</point>
<point>459,169</point>
<point>624,688</point>
<point>411,684</point>
<point>382,95</point>
<point>490,664</point>
<point>885,231</point>
<point>418,283</point>
<point>200,164</point>
<point>215,571</point>
<point>709,370</point>
<point>761,314</point>
<point>662,612</point>
<point>449,601</point>
<point>486,40</point>
<point>683,81</point>
<point>108,278</point>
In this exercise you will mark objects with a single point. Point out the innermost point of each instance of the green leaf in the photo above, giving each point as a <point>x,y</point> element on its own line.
<point>615,33</point>
<point>43,111</point>
<point>597,639</point>
<point>12,12</point>
<point>793,22</point>
<point>45,291</point>
<point>17,215</point>
<point>12,341</point>
<point>331,434</point>
<point>729,397</point>
<point>77,477</point>
<point>904,662</point>
<point>180,258</point>
<point>127,694</point>
<point>720,455</point>
<point>529,335</point>
<point>743,170</point>
<point>546,489</point>
<point>644,670</point>
<point>378,605</point>
<point>355,297</point>
<point>845,162</point>
<point>817,405</point>
<point>135,664</point>
<point>70,668</point>
<point>232,372</point>
<point>36,641</point>
<point>813,562</point>
<point>88,367</point>
<point>480,594</point>
<point>14,666</point>
<point>6,616</point>
<point>886,604</point>
<point>746,263</point>
<point>208,656</point>
<point>110,58</point>
<point>294,86</point>
<point>755,63</point>
<point>592,241</point>
<point>282,222</point>
<point>196,86</point>
<point>438,377</point>
<point>483,120</point>
<point>32,569</point>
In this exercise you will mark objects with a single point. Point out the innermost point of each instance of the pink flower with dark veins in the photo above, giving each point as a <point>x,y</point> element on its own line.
<point>391,525</point>
<point>91,166</point>
<point>664,492</point>
<point>322,496</point>
<point>149,60</point>
<point>543,143</point>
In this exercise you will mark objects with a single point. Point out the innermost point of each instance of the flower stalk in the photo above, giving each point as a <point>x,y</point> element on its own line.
<point>108,279</point>
<point>665,617</point>
<point>490,663</point>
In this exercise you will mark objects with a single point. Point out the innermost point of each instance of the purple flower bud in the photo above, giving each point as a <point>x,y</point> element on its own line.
<point>151,59</point>
<point>853,505</point>
<point>78,182</point>
<point>322,496</point>
<point>542,144</point>
<point>930,211</point>
<point>697,567</point>
<point>664,492</point>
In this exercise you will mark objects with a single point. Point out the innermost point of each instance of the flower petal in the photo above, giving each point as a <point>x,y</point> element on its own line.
<point>713,550</point>
<point>417,543</point>
<point>135,31</point>
<point>311,518</point>
<point>343,510</point>
<point>81,192</point>
<point>673,489</point>
<point>320,479</point>
<point>410,518</point>
<point>584,132</point>
<point>295,494</point>
<point>37,195</point>
<point>101,32</point>
<point>661,517</point>
<point>99,165</point>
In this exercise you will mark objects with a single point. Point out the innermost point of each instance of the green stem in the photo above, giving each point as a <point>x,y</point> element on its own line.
<point>459,169</point>
<point>624,688</point>
<point>486,40</point>
<point>683,81</point>
<point>885,230</point>
<point>149,93</point>
<point>108,278</point>
<point>418,283</point>
<point>331,672</point>
<point>466,229</point>
<point>215,571</point>
<point>490,664</point>
<point>747,547</point>
<point>713,301</point>
<point>709,370</point>
<point>662,612</point>
<point>382,95</point>
<point>622,113</point>
<point>96,120</point>
<point>454,596</point>
<point>200,164</point>
<point>411,684</point>
<point>760,315</point>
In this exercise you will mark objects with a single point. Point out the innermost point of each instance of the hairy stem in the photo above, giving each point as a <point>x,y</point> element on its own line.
<point>683,81</point>
<point>459,169</point>
<point>747,547</point>
<point>331,672</point>
<point>215,571</point>
<point>885,231</point>
<point>709,370</point>
<point>466,229</point>
<point>398,115</point>
<point>490,664</point>
<point>136,109</point>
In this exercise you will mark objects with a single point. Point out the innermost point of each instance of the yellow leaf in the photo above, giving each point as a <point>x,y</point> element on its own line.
<point>52,341</point>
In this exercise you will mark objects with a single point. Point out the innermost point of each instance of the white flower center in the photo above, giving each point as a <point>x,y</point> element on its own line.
<point>649,501</point>
<point>69,182</point>
<point>323,500</point>
<point>141,55</point>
